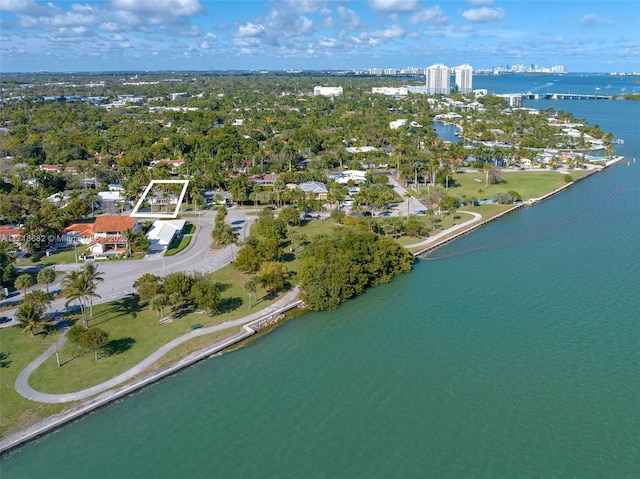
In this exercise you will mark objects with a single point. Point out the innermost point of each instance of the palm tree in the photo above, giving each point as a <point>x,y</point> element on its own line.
<point>252,286</point>
<point>30,316</point>
<point>75,287</point>
<point>407,196</point>
<point>39,299</point>
<point>24,282</point>
<point>128,236</point>
<point>158,302</point>
<point>47,276</point>
<point>229,237</point>
<point>92,197</point>
<point>92,277</point>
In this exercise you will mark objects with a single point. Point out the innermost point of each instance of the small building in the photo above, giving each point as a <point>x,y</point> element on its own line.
<point>327,90</point>
<point>51,168</point>
<point>162,233</point>
<point>267,179</point>
<point>218,197</point>
<point>360,149</point>
<point>173,164</point>
<point>315,188</point>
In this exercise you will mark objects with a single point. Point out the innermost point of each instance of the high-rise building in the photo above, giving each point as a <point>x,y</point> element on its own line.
<point>464,78</point>
<point>438,79</point>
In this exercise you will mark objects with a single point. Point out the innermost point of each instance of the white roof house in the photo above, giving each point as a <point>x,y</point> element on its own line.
<point>162,232</point>
<point>395,124</point>
<point>360,149</point>
<point>356,175</point>
<point>314,187</point>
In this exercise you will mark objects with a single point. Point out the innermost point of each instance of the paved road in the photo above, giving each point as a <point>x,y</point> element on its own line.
<point>119,276</point>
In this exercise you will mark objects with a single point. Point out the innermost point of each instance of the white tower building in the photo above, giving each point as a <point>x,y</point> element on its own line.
<point>464,78</point>
<point>438,79</point>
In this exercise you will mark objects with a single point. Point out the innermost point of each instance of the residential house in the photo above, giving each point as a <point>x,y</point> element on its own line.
<point>315,188</point>
<point>395,124</point>
<point>173,164</point>
<point>217,197</point>
<point>109,235</point>
<point>344,177</point>
<point>267,179</point>
<point>77,233</point>
<point>11,234</point>
<point>51,168</point>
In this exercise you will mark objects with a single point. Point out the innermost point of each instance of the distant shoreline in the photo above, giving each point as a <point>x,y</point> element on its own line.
<point>266,319</point>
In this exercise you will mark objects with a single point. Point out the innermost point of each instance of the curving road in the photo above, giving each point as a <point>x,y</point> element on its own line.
<point>119,276</point>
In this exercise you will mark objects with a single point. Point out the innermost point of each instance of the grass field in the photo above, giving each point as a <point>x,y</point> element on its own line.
<point>17,350</point>
<point>178,245</point>
<point>134,333</point>
<point>530,184</point>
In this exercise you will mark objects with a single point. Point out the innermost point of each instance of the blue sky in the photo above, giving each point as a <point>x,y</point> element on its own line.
<point>98,35</point>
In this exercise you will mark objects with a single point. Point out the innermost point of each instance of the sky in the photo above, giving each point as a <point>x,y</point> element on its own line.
<point>140,35</point>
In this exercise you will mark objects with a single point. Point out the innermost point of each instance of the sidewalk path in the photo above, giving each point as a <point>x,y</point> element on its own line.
<point>435,238</point>
<point>22,381</point>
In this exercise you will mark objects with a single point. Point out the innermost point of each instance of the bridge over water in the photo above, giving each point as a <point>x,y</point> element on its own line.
<point>564,96</point>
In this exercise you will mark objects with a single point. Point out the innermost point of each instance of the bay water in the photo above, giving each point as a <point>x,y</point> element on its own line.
<point>513,352</point>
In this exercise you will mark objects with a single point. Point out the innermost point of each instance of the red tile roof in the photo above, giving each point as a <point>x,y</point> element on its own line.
<point>83,229</point>
<point>111,224</point>
<point>7,230</point>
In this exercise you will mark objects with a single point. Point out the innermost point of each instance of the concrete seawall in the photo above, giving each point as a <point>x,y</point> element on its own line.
<point>58,420</point>
<point>531,202</point>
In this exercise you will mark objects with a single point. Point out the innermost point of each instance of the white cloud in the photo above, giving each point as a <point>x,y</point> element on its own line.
<point>433,15</point>
<point>388,33</point>
<point>484,14</point>
<point>481,2</point>
<point>394,5</point>
<point>250,30</point>
<point>25,7</point>
<point>349,18</point>
<point>377,37</point>
<point>591,19</point>
<point>304,6</point>
<point>164,8</point>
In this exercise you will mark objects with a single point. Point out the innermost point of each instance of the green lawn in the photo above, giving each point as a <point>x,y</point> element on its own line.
<point>530,184</point>
<point>17,350</point>
<point>61,256</point>
<point>189,228</point>
<point>135,333</point>
<point>178,245</point>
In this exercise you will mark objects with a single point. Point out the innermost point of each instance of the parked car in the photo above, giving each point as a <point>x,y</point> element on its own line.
<point>4,319</point>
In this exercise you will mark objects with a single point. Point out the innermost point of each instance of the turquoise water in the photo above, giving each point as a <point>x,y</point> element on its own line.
<point>511,353</point>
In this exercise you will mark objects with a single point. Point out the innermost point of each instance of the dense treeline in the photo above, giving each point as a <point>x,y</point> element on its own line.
<point>343,264</point>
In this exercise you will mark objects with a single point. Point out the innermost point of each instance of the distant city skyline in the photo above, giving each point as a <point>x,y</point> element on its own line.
<point>138,35</point>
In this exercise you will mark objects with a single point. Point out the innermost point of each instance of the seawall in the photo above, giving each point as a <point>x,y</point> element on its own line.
<point>56,421</point>
<point>531,202</point>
